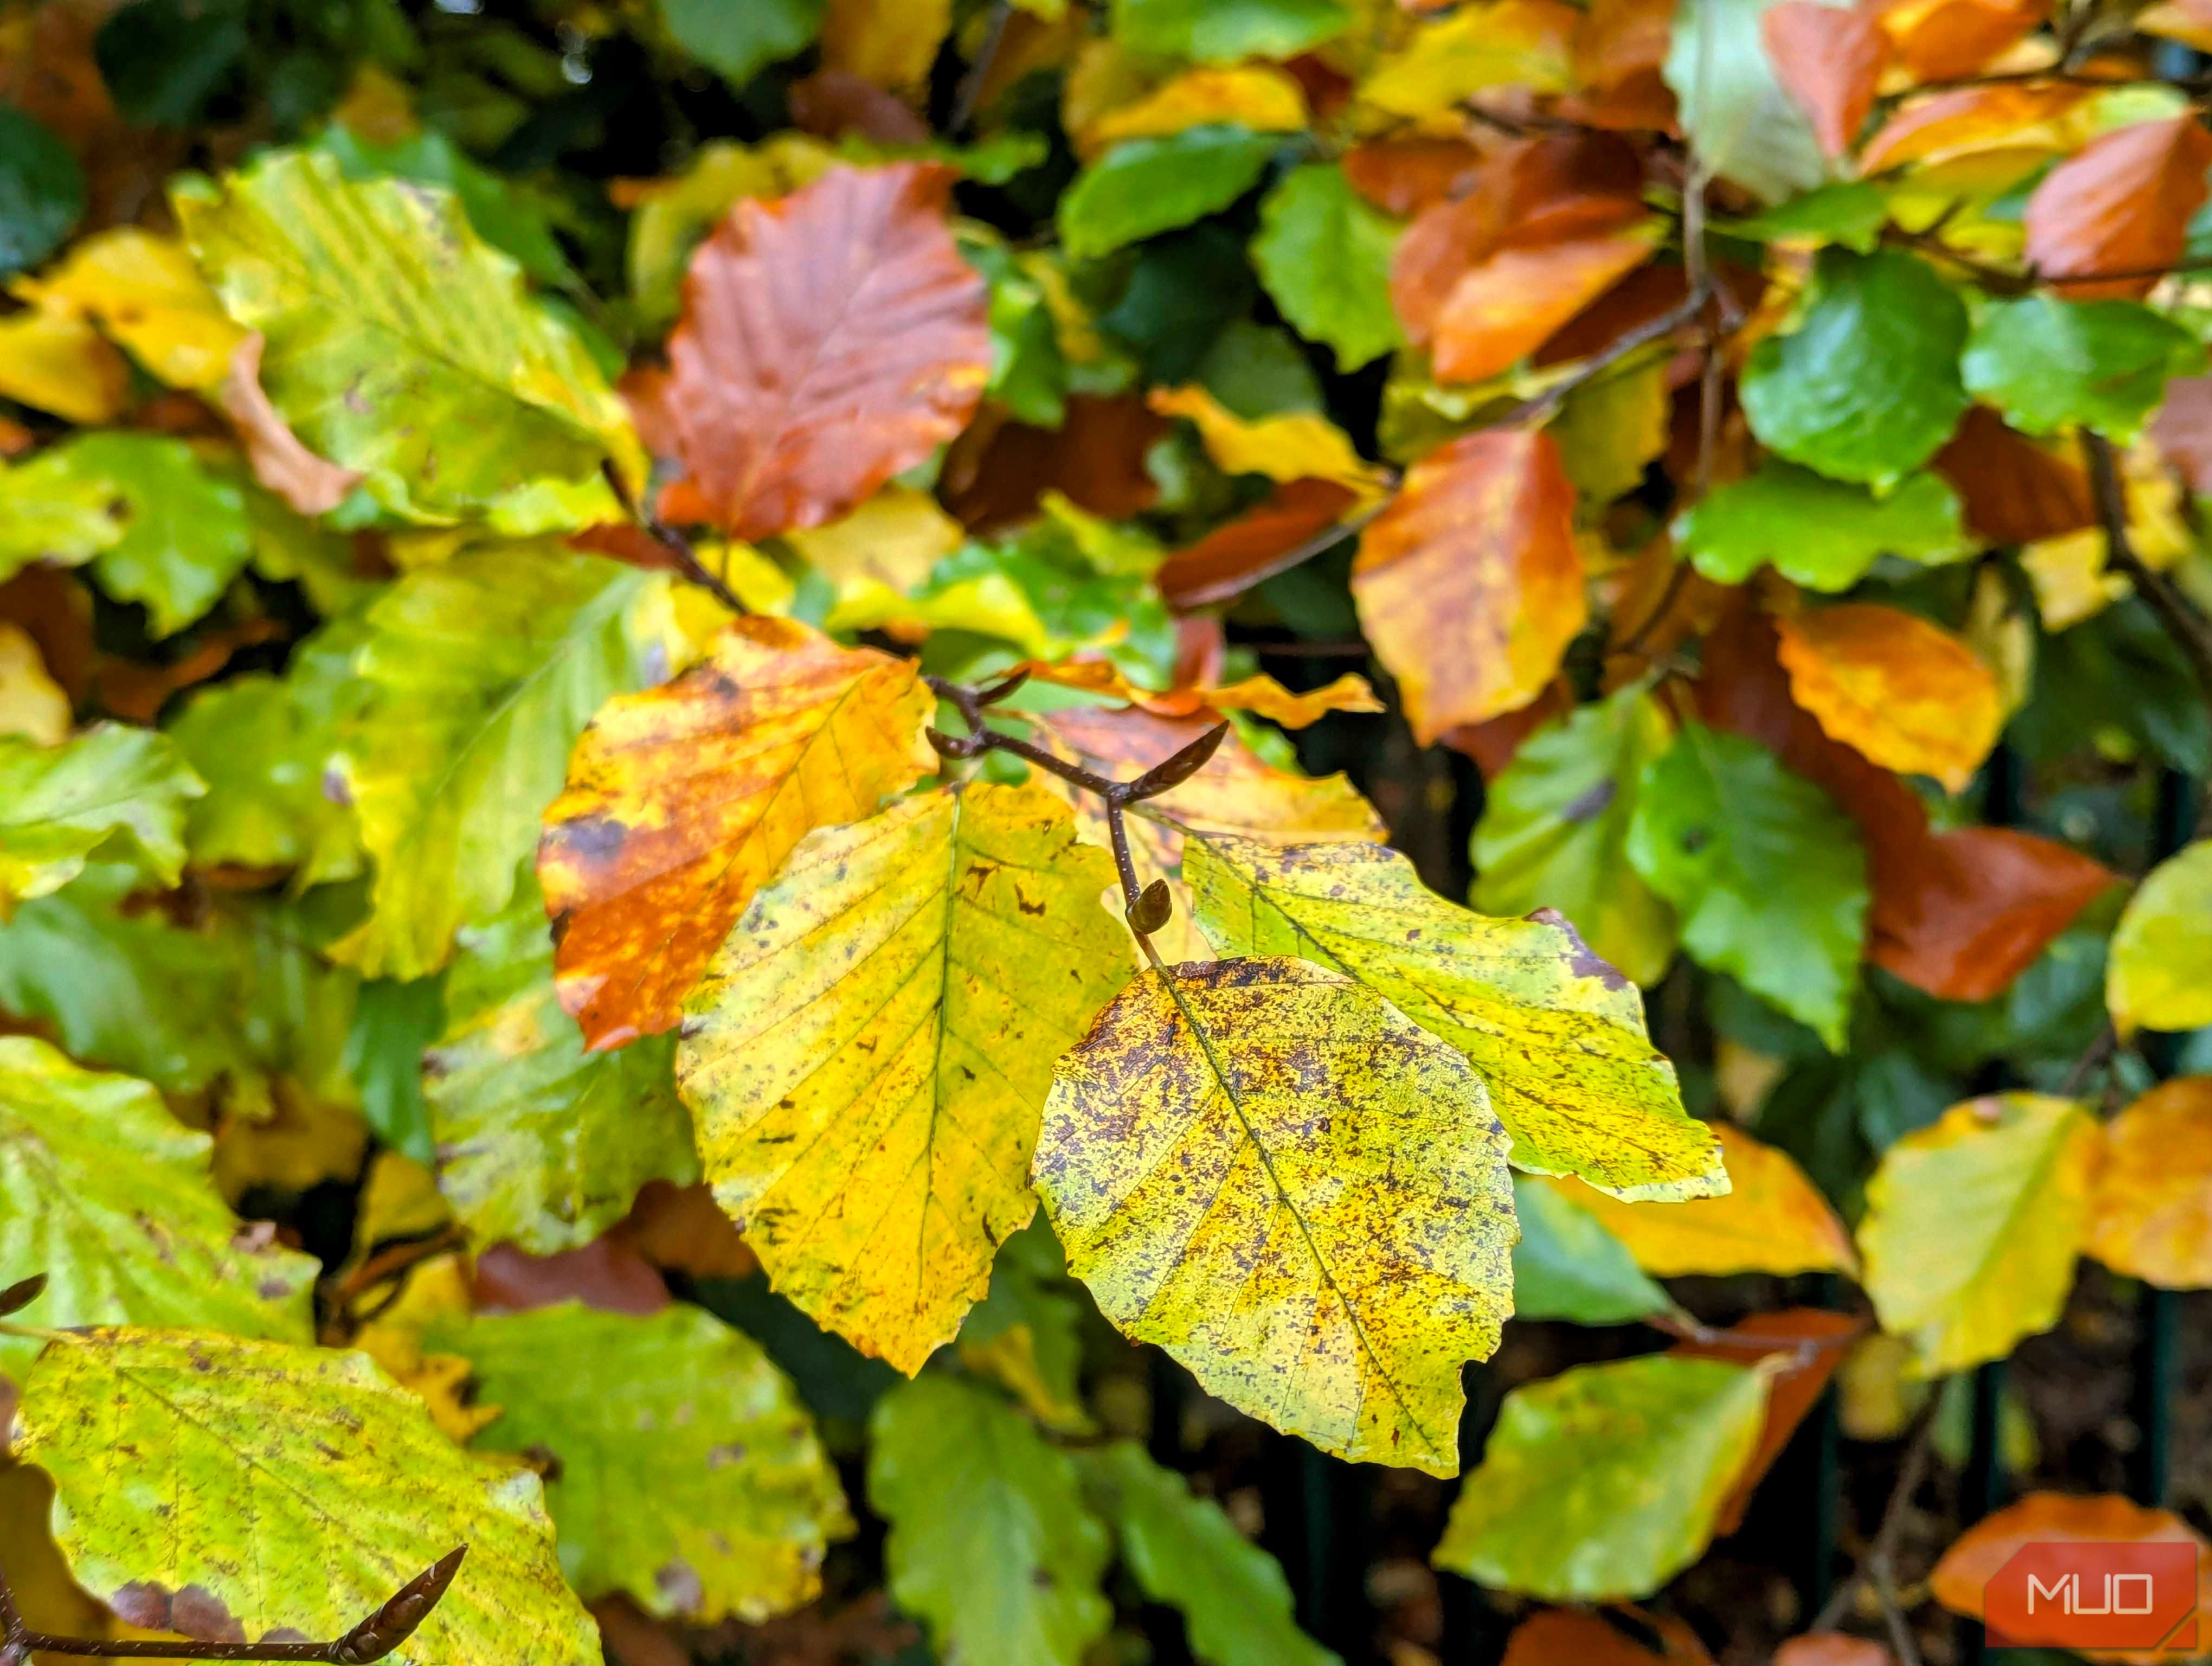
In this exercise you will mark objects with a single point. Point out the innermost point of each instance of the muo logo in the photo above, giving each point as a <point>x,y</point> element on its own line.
<point>2141,1594</point>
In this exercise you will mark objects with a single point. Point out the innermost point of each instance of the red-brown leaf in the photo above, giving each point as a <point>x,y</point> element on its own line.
<point>834,102</point>
<point>1829,60</point>
<point>1404,176</point>
<point>1569,1637</point>
<point>830,339</point>
<point>1954,38</point>
<point>2115,216</point>
<point>280,460</point>
<point>2183,429</point>
<point>607,1273</point>
<point>1239,553</point>
<point>1805,1337</point>
<point>996,473</point>
<point>2013,491</point>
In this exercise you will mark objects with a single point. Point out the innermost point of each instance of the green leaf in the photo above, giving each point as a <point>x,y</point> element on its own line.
<point>1611,430</point>
<point>1182,1551</point>
<point>1567,1266</point>
<point>114,792</point>
<point>2159,974</point>
<point>480,673</point>
<point>109,1195</point>
<point>2050,364</point>
<point>1144,187</point>
<point>163,60</point>
<point>1224,30</point>
<point>1187,290</point>
<point>688,1476</point>
<point>1867,386</point>
<point>182,531</point>
<point>394,1023</point>
<point>1272,1128</point>
<point>1028,374</point>
<point>1605,1482</point>
<point>1556,1033</point>
<point>1973,1227</point>
<point>206,1466</point>
<point>1824,534</point>
<point>1850,212</point>
<point>538,1140</point>
<point>990,1541</point>
<point>1769,876</point>
<point>1734,110</point>
<point>1028,1330</point>
<point>739,41</point>
<point>507,213</point>
<point>399,343</point>
<point>1258,370</point>
<point>262,751</point>
<point>1554,831</point>
<point>1324,254</point>
<point>41,192</point>
<point>866,1055</point>
<point>50,511</point>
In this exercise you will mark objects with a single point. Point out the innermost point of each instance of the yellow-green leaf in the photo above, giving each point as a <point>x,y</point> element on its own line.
<point>111,790</point>
<point>110,1196</point>
<point>1265,1168</point>
<point>867,1057</point>
<point>1972,1225</point>
<point>402,345</point>
<point>1605,1482</point>
<point>688,1476</point>
<point>235,1489</point>
<point>990,1541</point>
<point>2159,975</point>
<point>1556,1033</point>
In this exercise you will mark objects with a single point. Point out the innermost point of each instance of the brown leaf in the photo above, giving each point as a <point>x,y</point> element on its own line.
<point>1469,584</point>
<point>830,339</point>
<point>1647,293</point>
<point>1962,119</point>
<point>2153,1216</point>
<point>1830,61</point>
<point>52,607</point>
<point>314,485</point>
<point>629,1639</point>
<point>1239,553</point>
<point>1944,40</point>
<point>1405,176</point>
<point>684,799</point>
<point>681,1229</point>
<point>1832,1649</point>
<point>996,473</point>
<point>1907,694</point>
<point>1620,51</point>
<point>2121,206</point>
<point>1958,914</point>
<point>2013,491</point>
<point>1570,1636</point>
<point>607,1273</point>
<point>2183,430</point>
<point>831,103</point>
<point>1507,306</point>
<point>136,692</point>
<point>1806,1340</point>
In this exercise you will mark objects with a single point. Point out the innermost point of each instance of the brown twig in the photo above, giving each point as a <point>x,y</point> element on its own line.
<point>1882,1549</point>
<point>2187,629</point>
<point>377,1636</point>
<point>970,95</point>
<point>678,546</point>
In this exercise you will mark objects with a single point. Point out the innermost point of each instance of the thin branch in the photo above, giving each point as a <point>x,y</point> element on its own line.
<point>970,95</point>
<point>377,1636</point>
<point>1881,1550</point>
<point>678,546</point>
<point>1651,330</point>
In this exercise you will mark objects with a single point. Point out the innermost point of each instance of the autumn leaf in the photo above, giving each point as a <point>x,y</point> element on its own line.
<point>1966,119</point>
<point>57,362</point>
<point>2153,1207</point>
<point>2157,975</point>
<point>111,793</point>
<point>1949,39</point>
<point>1181,1141</point>
<point>1470,584</point>
<point>1908,695</point>
<point>1555,1033</point>
<point>1257,96</point>
<point>1291,447</point>
<point>1771,1220</point>
<point>2111,218</point>
<point>310,484</point>
<point>1507,306</point>
<point>1557,1637</point>
<point>1972,1225</point>
<point>2011,490</point>
<point>1830,60</point>
<point>144,290</point>
<point>1800,1349</point>
<point>865,1058</point>
<point>1732,102</point>
<point>1260,694</point>
<point>683,800</point>
<point>830,339</point>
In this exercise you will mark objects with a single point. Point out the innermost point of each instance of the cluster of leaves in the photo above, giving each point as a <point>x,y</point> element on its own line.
<point>572,736</point>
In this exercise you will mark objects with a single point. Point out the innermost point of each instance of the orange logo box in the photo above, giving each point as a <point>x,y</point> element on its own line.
<point>2086,1596</point>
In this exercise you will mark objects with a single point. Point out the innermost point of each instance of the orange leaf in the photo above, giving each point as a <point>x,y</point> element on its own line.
<point>1469,584</point>
<point>1262,696</point>
<point>2061,1518</point>
<point>1510,305</point>
<point>2014,492</point>
<point>314,485</point>
<point>830,339</point>
<point>1239,553</point>
<point>1404,176</point>
<point>1772,1220</point>
<point>1908,695</point>
<point>2115,216</point>
<point>1829,60</point>
<point>683,800</point>
<point>1965,118</point>
<point>682,1229</point>
<point>1569,1637</point>
<point>2153,1217</point>
<point>1620,50</point>
<point>1791,1392</point>
<point>1944,39</point>
<point>1832,1649</point>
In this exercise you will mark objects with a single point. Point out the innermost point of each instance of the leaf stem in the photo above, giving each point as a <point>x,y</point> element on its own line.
<point>678,546</point>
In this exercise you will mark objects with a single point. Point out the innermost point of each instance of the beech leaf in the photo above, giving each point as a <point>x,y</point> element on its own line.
<point>2160,973</point>
<point>1908,695</point>
<point>1824,534</point>
<point>113,792</point>
<point>2120,205</point>
<point>2153,1213</point>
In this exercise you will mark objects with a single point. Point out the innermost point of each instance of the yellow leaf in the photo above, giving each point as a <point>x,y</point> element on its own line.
<point>1295,446</point>
<point>2153,1217</point>
<point>1773,1220</point>
<point>144,291</point>
<point>893,540</point>
<point>1908,695</point>
<point>2160,973</point>
<point>1972,1225</point>
<point>1260,96</point>
<point>57,362</point>
<point>1104,77</point>
<point>890,42</point>
<point>1010,1359</point>
<point>31,704</point>
<point>398,1200</point>
<point>866,1056</point>
<point>1268,1171</point>
<point>1260,695</point>
<point>2068,571</point>
<point>1492,43</point>
<point>434,1289</point>
<point>304,1142</point>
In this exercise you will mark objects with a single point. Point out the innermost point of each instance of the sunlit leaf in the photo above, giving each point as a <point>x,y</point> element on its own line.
<point>1226,30</point>
<point>1258,96</point>
<point>1524,42</point>
<point>1830,60</point>
<point>1325,258</point>
<point>2152,1211</point>
<point>144,290</point>
<point>113,792</point>
<point>1909,695</point>
<point>2120,205</point>
<point>262,744</point>
<point>1289,445</point>
<point>1732,105</point>
<point>2160,976</point>
<point>1271,1128</point>
<point>56,361</point>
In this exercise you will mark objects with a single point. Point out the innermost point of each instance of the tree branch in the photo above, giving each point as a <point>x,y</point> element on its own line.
<point>1881,1550</point>
<point>678,546</point>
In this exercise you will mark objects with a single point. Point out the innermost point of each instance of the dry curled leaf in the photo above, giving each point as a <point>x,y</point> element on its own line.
<point>314,485</point>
